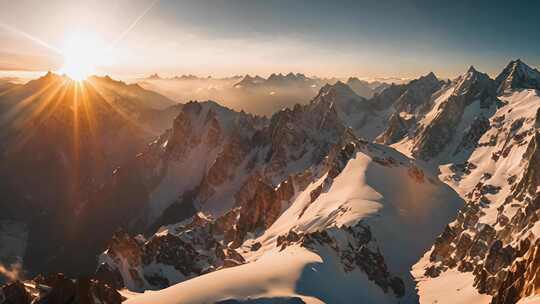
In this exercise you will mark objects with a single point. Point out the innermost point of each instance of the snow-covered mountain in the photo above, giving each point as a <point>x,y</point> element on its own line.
<point>493,242</point>
<point>365,88</point>
<point>425,192</point>
<point>261,187</point>
<point>249,81</point>
<point>335,220</point>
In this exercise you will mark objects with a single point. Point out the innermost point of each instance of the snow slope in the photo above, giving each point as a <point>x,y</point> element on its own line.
<point>403,206</point>
<point>293,272</point>
<point>492,179</point>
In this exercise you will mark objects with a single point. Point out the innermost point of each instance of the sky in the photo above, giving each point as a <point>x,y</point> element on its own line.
<point>365,38</point>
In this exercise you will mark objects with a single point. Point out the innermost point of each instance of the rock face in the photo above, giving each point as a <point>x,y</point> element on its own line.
<point>517,75</point>
<point>57,289</point>
<point>494,239</point>
<point>200,244</point>
<point>356,249</point>
<point>398,128</point>
<point>417,94</point>
<point>14,293</point>
<point>259,221</point>
<point>360,87</point>
<point>434,137</point>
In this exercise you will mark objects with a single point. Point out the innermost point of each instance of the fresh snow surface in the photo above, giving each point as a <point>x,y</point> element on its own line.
<point>451,287</point>
<point>520,105</point>
<point>405,216</point>
<point>293,272</point>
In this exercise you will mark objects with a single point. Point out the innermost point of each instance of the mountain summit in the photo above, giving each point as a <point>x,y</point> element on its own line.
<point>518,75</point>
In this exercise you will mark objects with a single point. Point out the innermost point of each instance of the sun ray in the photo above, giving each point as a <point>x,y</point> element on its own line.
<point>133,122</point>
<point>46,108</point>
<point>83,52</point>
<point>89,112</point>
<point>12,113</point>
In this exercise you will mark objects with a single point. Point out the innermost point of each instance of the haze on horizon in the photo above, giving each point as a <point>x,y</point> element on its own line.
<point>366,38</point>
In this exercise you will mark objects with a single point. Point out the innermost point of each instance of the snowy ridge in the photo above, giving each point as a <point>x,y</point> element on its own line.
<point>495,228</point>
<point>322,217</point>
<point>484,144</point>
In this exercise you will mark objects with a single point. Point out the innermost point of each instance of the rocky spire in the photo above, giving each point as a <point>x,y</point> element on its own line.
<point>517,75</point>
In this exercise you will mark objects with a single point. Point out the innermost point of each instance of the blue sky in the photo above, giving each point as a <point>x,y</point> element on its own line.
<point>222,37</point>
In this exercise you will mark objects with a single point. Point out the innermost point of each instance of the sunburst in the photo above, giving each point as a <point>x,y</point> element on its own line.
<point>83,53</point>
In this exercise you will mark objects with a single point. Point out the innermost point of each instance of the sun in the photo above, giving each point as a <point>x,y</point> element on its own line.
<point>83,52</point>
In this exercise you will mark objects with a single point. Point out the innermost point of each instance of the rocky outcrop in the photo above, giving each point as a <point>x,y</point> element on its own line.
<point>356,248</point>
<point>502,256</point>
<point>470,140</point>
<point>398,128</point>
<point>200,244</point>
<point>521,279</point>
<point>528,184</point>
<point>388,96</point>
<point>517,75</point>
<point>57,289</point>
<point>360,87</point>
<point>190,249</point>
<point>417,94</point>
<point>434,137</point>
<point>14,293</point>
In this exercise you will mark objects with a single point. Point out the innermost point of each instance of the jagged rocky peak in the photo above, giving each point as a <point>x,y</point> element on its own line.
<point>388,96</point>
<point>361,87</point>
<point>406,97</point>
<point>210,123</point>
<point>296,77</point>
<point>418,94</point>
<point>154,76</point>
<point>474,83</point>
<point>337,90</point>
<point>397,129</point>
<point>56,288</point>
<point>249,81</point>
<point>428,79</point>
<point>341,99</point>
<point>436,134</point>
<point>517,75</point>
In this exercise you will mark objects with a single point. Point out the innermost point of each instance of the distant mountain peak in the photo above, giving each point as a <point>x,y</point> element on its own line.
<point>249,81</point>
<point>361,87</point>
<point>473,73</point>
<point>154,76</point>
<point>338,94</point>
<point>339,88</point>
<point>518,75</point>
<point>431,75</point>
<point>428,78</point>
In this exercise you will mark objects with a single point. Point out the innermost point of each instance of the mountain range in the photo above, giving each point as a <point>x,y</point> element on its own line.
<point>419,192</point>
<point>254,94</point>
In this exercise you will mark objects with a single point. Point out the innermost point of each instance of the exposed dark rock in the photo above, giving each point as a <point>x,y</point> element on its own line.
<point>470,87</point>
<point>14,293</point>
